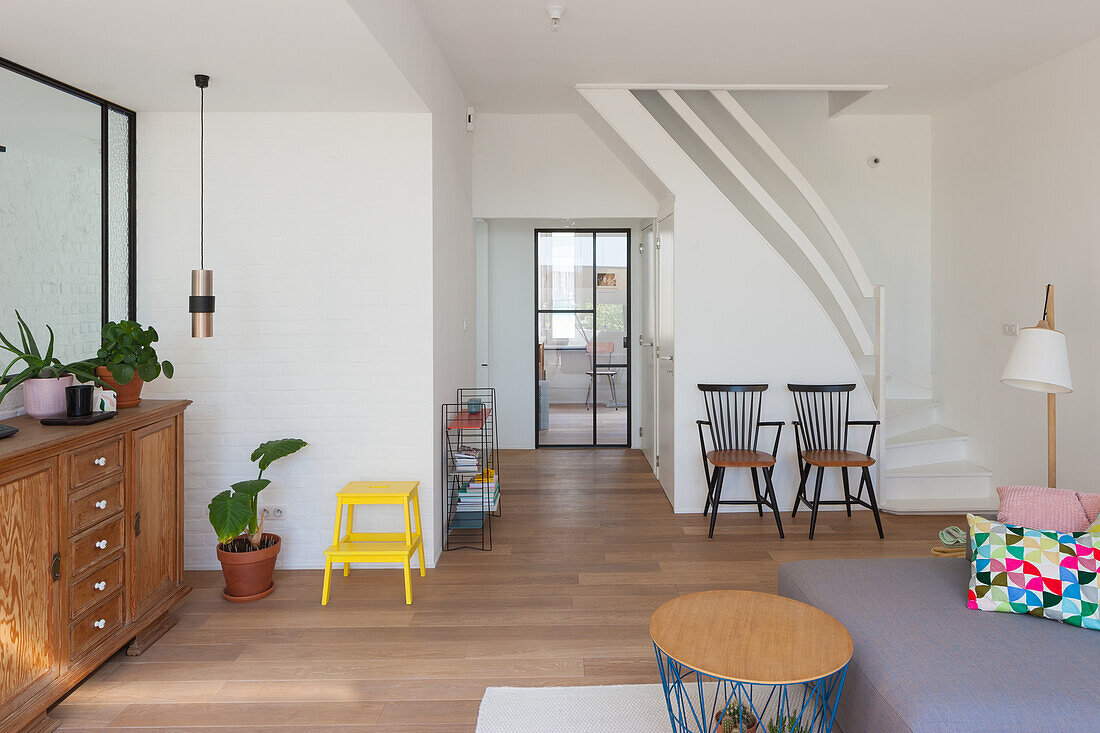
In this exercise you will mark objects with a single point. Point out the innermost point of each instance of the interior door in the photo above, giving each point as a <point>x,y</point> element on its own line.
<point>154,563</point>
<point>647,368</point>
<point>664,349</point>
<point>28,608</point>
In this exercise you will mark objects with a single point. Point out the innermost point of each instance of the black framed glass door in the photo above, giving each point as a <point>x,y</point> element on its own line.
<point>582,337</point>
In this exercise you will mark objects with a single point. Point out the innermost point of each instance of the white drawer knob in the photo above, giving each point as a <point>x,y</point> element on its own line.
<point>101,461</point>
<point>100,585</point>
<point>101,504</point>
<point>100,623</point>
<point>102,544</point>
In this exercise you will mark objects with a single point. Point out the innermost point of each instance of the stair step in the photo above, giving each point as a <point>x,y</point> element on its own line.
<point>947,505</point>
<point>904,415</point>
<point>953,469</point>
<point>932,444</point>
<point>925,435</point>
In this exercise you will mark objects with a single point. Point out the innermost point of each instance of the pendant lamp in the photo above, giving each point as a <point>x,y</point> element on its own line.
<point>201,302</point>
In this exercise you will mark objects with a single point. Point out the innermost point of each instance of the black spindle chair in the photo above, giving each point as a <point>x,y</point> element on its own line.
<point>821,434</point>
<point>733,415</point>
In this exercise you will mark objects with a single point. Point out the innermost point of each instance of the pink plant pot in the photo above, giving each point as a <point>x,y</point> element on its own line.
<point>46,397</point>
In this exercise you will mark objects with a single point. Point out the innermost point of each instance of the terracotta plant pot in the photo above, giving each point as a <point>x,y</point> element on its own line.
<point>248,575</point>
<point>45,397</point>
<point>129,394</point>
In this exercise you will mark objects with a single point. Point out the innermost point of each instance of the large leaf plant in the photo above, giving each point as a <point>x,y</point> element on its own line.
<point>234,511</point>
<point>36,364</point>
<point>127,349</point>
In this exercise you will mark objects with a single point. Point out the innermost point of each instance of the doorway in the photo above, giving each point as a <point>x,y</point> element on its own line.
<point>582,337</point>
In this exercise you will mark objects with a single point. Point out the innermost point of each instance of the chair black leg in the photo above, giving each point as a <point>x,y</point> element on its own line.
<point>817,500</point>
<point>847,493</point>
<point>756,488</point>
<point>872,500</point>
<point>804,474</point>
<point>710,489</point>
<point>720,473</point>
<point>770,492</point>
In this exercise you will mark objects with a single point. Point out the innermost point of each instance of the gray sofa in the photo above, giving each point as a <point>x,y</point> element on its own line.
<point>925,663</point>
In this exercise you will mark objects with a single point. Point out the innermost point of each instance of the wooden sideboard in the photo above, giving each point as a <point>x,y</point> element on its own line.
<point>91,550</point>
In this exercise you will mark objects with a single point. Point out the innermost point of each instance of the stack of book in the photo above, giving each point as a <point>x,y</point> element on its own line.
<point>481,493</point>
<point>467,459</point>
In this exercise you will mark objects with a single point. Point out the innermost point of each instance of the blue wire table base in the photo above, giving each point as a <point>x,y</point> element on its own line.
<point>696,699</point>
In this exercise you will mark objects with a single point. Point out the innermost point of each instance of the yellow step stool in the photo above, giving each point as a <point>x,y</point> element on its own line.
<point>376,546</point>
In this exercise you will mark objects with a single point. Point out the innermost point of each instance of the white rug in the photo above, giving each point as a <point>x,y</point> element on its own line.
<point>597,709</point>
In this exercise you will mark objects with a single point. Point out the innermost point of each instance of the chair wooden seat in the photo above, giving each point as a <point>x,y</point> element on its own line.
<point>837,458</point>
<point>601,373</point>
<point>740,458</point>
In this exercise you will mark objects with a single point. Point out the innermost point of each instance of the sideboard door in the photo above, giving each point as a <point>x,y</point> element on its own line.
<point>29,608</point>
<point>154,522</point>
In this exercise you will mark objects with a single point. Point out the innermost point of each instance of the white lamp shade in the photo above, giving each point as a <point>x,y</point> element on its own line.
<point>1039,362</point>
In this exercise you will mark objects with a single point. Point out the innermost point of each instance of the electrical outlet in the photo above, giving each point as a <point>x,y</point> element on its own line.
<point>276,512</point>
<point>1010,329</point>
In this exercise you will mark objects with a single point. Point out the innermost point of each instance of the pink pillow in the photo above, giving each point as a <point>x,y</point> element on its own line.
<point>1091,502</point>
<point>1042,508</point>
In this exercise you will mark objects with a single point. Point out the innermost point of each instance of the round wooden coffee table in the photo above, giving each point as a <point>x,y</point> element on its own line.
<point>778,660</point>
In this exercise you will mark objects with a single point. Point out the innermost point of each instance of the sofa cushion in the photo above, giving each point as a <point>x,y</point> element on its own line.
<point>924,663</point>
<point>1048,574</point>
<point>1040,507</point>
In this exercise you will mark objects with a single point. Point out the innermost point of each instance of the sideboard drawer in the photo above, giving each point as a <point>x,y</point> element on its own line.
<point>95,504</point>
<point>94,586</point>
<point>95,545</point>
<point>98,623</point>
<point>95,462</point>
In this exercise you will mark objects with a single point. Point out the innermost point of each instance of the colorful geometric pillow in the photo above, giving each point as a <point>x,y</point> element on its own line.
<point>1043,573</point>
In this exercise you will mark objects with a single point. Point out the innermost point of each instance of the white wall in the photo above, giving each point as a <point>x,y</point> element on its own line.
<point>1016,176</point>
<point>729,280</point>
<point>400,29</point>
<point>544,166</point>
<point>511,321</point>
<point>324,327</point>
<point>886,212</point>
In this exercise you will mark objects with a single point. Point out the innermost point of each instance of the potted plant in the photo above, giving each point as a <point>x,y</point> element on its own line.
<point>44,377</point>
<point>127,360</point>
<point>246,552</point>
<point>786,725</point>
<point>736,717</point>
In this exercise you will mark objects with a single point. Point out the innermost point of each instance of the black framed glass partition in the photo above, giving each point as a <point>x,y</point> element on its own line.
<point>67,195</point>
<point>582,337</point>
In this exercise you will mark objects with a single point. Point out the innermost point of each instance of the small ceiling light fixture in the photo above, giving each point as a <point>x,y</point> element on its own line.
<point>201,302</point>
<point>555,12</point>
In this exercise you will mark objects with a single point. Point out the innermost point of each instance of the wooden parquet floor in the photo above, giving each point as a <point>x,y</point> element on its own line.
<point>586,549</point>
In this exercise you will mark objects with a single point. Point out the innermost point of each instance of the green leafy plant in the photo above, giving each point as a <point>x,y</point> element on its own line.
<point>233,512</point>
<point>736,717</point>
<point>36,364</point>
<point>788,724</point>
<point>127,349</point>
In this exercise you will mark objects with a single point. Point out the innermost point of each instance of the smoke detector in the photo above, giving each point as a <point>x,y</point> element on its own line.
<point>555,12</point>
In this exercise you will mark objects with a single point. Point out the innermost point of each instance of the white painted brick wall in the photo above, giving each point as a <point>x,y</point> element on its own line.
<point>49,256</point>
<point>319,232</point>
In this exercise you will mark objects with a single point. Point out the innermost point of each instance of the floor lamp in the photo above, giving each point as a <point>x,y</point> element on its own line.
<point>1040,363</point>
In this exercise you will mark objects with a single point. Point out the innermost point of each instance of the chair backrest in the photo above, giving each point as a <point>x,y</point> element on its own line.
<point>822,415</point>
<point>600,347</point>
<point>733,411</point>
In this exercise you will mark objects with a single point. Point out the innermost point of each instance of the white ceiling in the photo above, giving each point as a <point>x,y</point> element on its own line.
<point>261,55</point>
<point>930,52</point>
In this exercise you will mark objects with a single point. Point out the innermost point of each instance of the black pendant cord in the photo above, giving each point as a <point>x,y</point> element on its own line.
<point>202,178</point>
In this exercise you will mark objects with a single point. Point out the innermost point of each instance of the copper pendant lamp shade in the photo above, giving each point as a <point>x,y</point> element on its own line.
<point>201,302</point>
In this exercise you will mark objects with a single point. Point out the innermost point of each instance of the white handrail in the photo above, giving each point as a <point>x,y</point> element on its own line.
<point>859,328</point>
<point>824,215</point>
<point>880,379</point>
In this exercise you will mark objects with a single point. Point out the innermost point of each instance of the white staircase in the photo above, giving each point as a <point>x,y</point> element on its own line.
<point>927,471</point>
